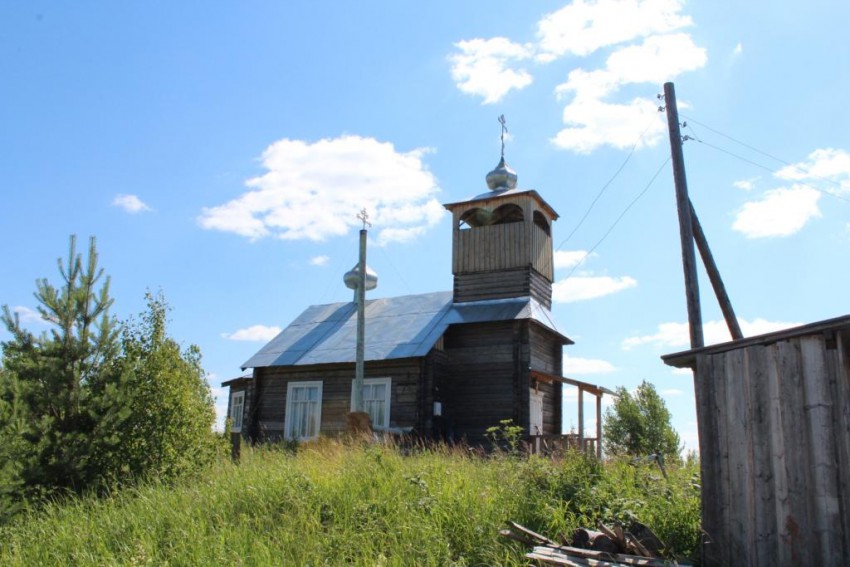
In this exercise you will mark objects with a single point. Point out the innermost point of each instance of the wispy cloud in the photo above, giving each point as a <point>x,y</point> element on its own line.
<point>253,333</point>
<point>314,190</point>
<point>785,210</point>
<point>130,204</point>
<point>827,164</point>
<point>584,287</point>
<point>675,335</point>
<point>576,366</point>
<point>27,315</point>
<point>565,259</point>
<point>745,184</point>
<point>319,260</point>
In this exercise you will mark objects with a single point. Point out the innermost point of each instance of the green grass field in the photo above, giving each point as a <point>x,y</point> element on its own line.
<point>335,503</point>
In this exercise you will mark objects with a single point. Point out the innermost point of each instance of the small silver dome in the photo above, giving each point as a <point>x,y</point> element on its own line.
<point>352,278</point>
<point>501,178</point>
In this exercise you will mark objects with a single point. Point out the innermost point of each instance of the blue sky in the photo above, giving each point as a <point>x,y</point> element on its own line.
<point>219,151</point>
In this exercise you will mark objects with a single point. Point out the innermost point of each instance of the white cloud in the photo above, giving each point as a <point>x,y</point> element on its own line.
<point>656,60</point>
<point>315,190</point>
<point>745,184</point>
<point>674,335</point>
<point>565,259</point>
<point>574,365</point>
<point>253,333</point>
<point>319,260</point>
<point>584,287</point>
<point>483,67</point>
<point>780,212</point>
<point>647,51</point>
<point>682,371</point>
<point>582,27</point>
<point>130,203</point>
<point>27,315</point>
<point>672,392</point>
<point>739,48</point>
<point>592,122</point>
<point>822,164</point>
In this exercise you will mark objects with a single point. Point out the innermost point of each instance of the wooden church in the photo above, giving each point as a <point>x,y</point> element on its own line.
<point>443,365</point>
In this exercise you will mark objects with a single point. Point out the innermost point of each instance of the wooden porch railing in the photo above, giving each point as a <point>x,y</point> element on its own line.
<point>561,444</point>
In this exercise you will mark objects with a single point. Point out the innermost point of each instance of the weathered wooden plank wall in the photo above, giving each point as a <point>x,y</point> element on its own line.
<point>502,247</point>
<point>774,425</point>
<point>272,383</point>
<point>521,282</point>
<point>482,366</point>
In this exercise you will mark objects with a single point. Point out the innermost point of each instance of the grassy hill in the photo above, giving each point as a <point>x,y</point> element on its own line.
<point>333,503</point>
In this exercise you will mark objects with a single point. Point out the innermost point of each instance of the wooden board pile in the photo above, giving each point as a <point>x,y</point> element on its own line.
<point>607,547</point>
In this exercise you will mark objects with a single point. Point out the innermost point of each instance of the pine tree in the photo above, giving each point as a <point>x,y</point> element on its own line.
<point>43,384</point>
<point>95,404</point>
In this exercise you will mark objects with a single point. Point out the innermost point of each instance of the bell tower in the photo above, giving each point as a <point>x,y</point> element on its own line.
<point>502,241</point>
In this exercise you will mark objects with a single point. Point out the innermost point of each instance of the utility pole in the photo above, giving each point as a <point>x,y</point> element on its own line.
<point>686,231</point>
<point>361,316</point>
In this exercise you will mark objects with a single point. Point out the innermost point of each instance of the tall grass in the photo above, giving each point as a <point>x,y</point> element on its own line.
<point>333,503</point>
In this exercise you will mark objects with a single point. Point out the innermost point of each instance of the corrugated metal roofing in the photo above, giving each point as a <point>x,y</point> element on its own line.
<point>396,327</point>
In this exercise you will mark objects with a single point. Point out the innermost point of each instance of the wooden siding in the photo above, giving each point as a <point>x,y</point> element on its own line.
<point>774,422</point>
<point>524,282</point>
<point>545,354</point>
<point>502,247</point>
<point>489,378</point>
<point>405,399</point>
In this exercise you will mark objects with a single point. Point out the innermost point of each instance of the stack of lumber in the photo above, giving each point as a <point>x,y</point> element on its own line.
<point>607,547</point>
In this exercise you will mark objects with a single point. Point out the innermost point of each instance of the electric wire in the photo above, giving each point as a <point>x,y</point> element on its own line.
<point>605,187</point>
<point>697,138</point>
<point>618,219</point>
<point>396,270</point>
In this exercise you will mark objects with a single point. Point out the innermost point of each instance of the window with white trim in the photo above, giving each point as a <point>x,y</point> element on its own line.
<point>237,405</point>
<point>303,410</point>
<point>376,400</point>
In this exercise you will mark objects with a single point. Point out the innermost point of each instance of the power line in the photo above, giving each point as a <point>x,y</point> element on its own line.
<point>605,187</point>
<point>766,168</point>
<point>619,218</point>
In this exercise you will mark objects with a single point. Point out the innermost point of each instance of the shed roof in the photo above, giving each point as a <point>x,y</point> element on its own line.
<point>687,359</point>
<point>396,327</point>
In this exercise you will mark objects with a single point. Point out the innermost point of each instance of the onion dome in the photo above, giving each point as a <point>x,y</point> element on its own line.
<point>502,178</point>
<point>352,278</point>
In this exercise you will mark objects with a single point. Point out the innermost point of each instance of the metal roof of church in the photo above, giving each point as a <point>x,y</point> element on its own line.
<point>396,327</point>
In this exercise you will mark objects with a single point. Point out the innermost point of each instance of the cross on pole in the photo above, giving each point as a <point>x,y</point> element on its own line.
<point>363,216</point>
<point>504,130</point>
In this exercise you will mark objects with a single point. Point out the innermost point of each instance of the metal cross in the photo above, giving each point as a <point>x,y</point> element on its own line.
<point>504,130</point>
<point>363,215</point>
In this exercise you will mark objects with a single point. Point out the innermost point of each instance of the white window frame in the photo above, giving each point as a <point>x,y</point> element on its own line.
<point>237,399</point>
<point>388,400</point>
<point>290,410</point>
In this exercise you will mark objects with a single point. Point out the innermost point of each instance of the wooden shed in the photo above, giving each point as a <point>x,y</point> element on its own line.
<point>774,429</point>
